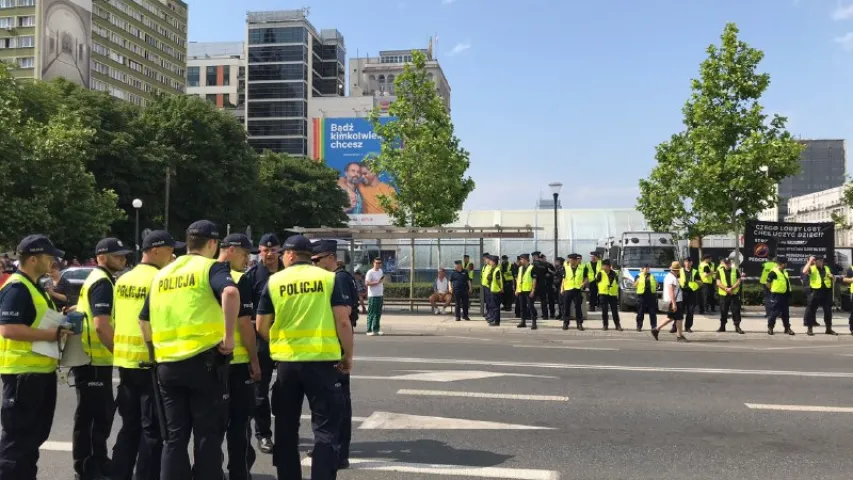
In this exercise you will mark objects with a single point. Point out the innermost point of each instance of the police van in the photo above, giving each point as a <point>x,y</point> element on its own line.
<point>631,252</point>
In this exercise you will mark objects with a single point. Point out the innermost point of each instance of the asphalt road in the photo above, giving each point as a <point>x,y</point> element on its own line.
<point>488,405</point>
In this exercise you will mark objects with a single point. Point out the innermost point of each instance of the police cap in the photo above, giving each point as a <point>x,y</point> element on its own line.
<point>204,229</point>
<point>781,259</point>
<point>504,257</point>
<point>536,254</point>
<point>486,255</point>
<point>606,261</point>
<point>575,256</point>
<point>112,246</point>
<point>298,243</point>
<point>238,240</point>
<point>595,254</point>
<point>269,240</point>
<point>457,262</point>
<point>561,259</point>
<point>38,244</point>
<point>494,258</point>
<point>524,256</point>
<point>321,247</point>
<point>818,257</point>
<point>160,238</point>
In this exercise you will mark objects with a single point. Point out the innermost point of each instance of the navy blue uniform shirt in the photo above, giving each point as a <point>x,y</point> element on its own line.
<point>258,276</point>
<point>340,296</point>
<point>459,281</point>
<point>219,277</point>
<point>16,305</point>
<point>101,295</point>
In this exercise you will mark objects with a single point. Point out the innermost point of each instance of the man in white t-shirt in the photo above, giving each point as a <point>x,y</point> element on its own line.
<point>440,293</point>
<point>374,279</point>
<point>674,298</point>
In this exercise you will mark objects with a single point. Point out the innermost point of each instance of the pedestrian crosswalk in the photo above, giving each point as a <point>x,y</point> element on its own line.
<point>379,465</point>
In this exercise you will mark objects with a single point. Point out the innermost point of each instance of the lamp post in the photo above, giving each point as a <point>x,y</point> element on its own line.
<point>555,190</point>
<point>137,204</point>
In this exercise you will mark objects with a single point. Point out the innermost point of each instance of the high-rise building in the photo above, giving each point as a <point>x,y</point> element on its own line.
<point>374,76</point>
<point>216,71</point>
<point>129,48</point>
<point>289,61</point>
<point>823,165</point>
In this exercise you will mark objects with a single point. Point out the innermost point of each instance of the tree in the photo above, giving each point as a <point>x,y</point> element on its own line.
<point>730,157</point>
<point>300,193</point>
<point>420,153</point>
<point>44,184</point>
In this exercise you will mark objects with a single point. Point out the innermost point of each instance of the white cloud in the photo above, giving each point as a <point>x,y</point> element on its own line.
<point>843,12</point>
<point>845,41</point>
<point>459,48</point>
<point>447,2</point>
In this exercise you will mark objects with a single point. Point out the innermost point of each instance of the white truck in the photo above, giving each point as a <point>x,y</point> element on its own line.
<point>632,252</point>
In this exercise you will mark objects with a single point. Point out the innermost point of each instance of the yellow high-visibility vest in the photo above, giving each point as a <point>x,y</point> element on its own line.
<point>641,285</point>
<point>574,278</point>
<point>732,278</point>
<point>241,355</point>
<point>92,345</point>
<point>525,279</point>
<point>304,327</point>
<point>17,357</point>
<point>781,284</point>
<point>815,280</point>
<point>129,296</point>
<point>766,268</point>
<point>608,284</point>
<point>691,282</point>
<point>497,283</point>
<point>185,317</point>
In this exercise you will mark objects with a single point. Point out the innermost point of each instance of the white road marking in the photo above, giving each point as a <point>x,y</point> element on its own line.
<point>56,446</point>
<point>468,338</point>
<point>798,408</point>
<point>498,396</point>
<point>568,347</point>
<point>445,376</point>
<point>448,470</point>
<point>354,419</point>
<point>624,368</point>
<point>809,347</point>
<point>401,421</point>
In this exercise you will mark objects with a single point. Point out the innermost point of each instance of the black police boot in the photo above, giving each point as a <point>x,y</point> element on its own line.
<point>810,332</point>
<point>738,329</point>
<point>265,445</point>
<point>533,325</point>
<point>606,327</point>
<point>655,333</point>
<point>789,331</point>
<point>722,328</point>
<point>523,324</point>
<point>580,327</point>
<point>830,331</point>
<point>565,325</point>
<point>769,330</point>
<point>618,327</point>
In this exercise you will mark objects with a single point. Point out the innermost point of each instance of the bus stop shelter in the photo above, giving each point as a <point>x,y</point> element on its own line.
<point>379,233</point>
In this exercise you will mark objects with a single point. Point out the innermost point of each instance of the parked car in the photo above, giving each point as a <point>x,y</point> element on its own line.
<point>75,276</point>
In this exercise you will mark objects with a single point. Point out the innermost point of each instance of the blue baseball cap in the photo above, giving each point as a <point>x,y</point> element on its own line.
<point>204,229</point>
<point>324,246</point>
<point>238,240</point>
<point>298,243</point>
<point>112,246</point>
<point>269,240</point>
<point>160,238</point>
<point>38,244</point>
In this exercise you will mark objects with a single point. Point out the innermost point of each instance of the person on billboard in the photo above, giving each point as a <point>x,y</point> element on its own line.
<point>371,188</point>
<point>350,183</point>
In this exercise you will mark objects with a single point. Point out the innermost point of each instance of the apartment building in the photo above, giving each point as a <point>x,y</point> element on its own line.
<point>131,49</point>
<point>216,71</point>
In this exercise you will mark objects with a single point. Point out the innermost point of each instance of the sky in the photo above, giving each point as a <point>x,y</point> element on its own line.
<point>581,92</point>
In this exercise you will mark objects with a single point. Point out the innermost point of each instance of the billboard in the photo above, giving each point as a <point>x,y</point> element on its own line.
<point>797,241</point>
<point>65,40</point>
<point>343,144</point>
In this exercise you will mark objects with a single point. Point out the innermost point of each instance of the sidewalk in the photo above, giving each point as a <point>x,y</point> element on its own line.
<point>704,326</point>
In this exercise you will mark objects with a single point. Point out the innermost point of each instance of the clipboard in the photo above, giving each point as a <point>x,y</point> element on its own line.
<point>72,355</point>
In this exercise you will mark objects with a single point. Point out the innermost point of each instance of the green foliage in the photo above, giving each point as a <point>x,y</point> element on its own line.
<point>429,170</point>
<point>722,170</point>
<point>304,193</point>
<point>44,184</point>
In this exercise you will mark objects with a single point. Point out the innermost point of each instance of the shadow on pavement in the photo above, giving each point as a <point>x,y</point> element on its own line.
<point>426,451</point>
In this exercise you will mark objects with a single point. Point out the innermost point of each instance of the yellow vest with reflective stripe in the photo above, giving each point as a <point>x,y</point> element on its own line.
<point>304,326</point>
<point>814,278</point>
<point>731,281</point>
<point>497,283</point>
<point>129,296</point>
<point>186,319</point>
<point>484,274</point>
<point>707,279</point>
<point>780,283</point>
<point>465,267</point>
<point>17,357</point>
<point>573,280</point>
<point>241,355</point>
<point>641,284</point>
<point>506,272</point>
<point>608,287</point>
<point>766,268</point>
<point>592,270</point>
<point>525,279</point>
<point>97,352</point>
<point>691,282</point>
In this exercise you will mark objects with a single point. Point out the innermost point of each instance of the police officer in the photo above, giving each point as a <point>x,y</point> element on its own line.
<point>571,290</point>
<point>460,288</point>
<point>139,436</point>
<point>494,285</point>
<point>559,275</point>
<point>245,368</point>
<point>515,271</point>
<point>766,268</point>
<point>779,285</point>
<point>728,285</point>
<point>258,276</point>
<point>525,292</point>
<point>508,287</point>
<point>324,255</point>
<point>821,283</point>
<point>706,274</point>
<point>305,315</point>
<point>593,267</point>
<point>29,379</point>
<point>647,298</point>
<point>93,418</point>
<point>688,279</point>
<point>550,295</point>
<point>848,280</point>
<point>190,315</point>
<point>608,292</point>
<point>467,266</point>
<point>485,279</point>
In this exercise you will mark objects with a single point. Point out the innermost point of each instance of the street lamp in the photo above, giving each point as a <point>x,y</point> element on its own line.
<point>137,204</point>
<point>555,190</point>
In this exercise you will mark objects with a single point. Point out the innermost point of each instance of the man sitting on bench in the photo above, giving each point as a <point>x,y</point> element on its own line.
<point>440,293</point>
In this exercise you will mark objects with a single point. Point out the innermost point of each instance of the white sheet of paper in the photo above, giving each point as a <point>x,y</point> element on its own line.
<point>51,319</point>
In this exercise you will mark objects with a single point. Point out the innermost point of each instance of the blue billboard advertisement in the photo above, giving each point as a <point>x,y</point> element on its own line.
<point>343,144</point>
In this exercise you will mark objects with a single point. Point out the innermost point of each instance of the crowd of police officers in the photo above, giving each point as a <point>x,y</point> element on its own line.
<point>195,341</point>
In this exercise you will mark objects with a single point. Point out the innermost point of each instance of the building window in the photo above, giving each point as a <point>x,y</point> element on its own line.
<point>27,21</point>
<point>26,3</point>
<point>277,109</point>
<point>278,72</point>
<point>391,84</point>
<point>211,97</point>
<point>8,42</point>
<point>292,53</point>
<point>260,91</point>
<point>26,62</point>
<point>271,128</point>
<point>7,22</point>
<point>226,75</point>
<point>193,76</point>
<point>28,41</point>
<point>7,3</point>
<point>382,83</point>
<point>210,78</point>
<point>259,36</point>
